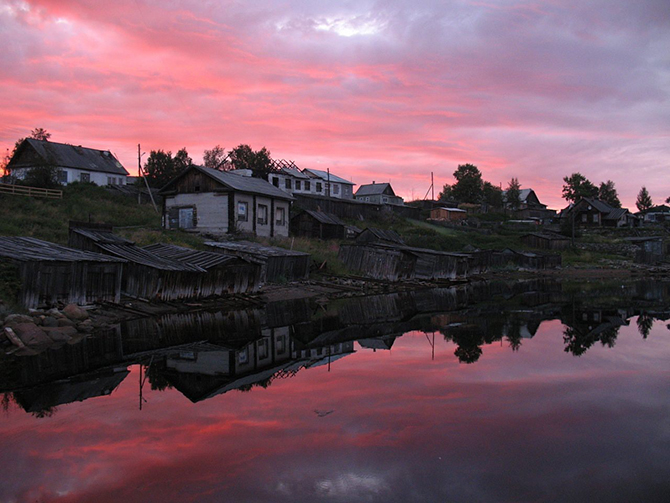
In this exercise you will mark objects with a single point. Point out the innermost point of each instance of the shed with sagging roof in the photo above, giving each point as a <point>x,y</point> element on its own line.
<point>318,224</point>
<point>278,264</point>
<point>226,274</point>
<point>379,236</point>
<point>49,273</point>
<point>146,275</point>
<point>546,240</point>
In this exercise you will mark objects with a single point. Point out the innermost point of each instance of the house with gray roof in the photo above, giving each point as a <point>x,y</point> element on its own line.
<point>205,199</point>
<point>324,183</point>
<point>592,212</point>
<point>378,193</point>
<point>73,163</point>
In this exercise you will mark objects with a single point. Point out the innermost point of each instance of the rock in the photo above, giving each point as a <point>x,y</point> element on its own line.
<point>56,314</point>
<point>18,318</point>
<point>49,321</point>
<point>60,334</point>
<point>85,326</point>
<point>64,322</point>
<point>30,334</point>
<point>9,333</point>
<point>74,312</point>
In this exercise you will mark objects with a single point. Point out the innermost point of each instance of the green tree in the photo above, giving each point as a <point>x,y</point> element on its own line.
<point>45,175</point>
<point>513,194</point>
<point>259,162</point>
<point>578,186</point>
<point>445,195</point>
<point>493,195</point>
<point>36,134</point>
<point>643,201</point>
<point>608,194</point>
<point>468,187</point>
<point>216,158</point>
<point>182,161</point>
<point>159,168</point>
<point>40,134</point>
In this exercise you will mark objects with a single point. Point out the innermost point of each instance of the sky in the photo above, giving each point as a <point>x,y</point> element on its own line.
<point>385,91</point>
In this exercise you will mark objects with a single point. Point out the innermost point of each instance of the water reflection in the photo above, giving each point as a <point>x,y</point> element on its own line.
<point>356,400</point>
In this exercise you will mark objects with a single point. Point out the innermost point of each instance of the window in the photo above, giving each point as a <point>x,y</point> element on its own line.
<point>308,185</point>
<point>263,349</point>
<point>280,215</point>
<point>85,177</point>
<point>385,199</point>
<point>584,217</point>
<point>242,211</point>
<point>595,217</point>
<point>297,185</point>
<point>262,214</point>
<point>318,186</point>
<point>288,183</point>
<point>281,344</point>
<point>62,176</point>
<point>336,189</point>
<point>275,181</point>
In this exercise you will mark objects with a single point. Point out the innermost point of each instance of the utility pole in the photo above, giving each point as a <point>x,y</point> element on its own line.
<point>432,187</point>
<point>139,164</point>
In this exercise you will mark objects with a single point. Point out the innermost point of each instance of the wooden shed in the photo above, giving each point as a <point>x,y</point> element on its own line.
<point>146,275</point>
<point>225,273</point>
<point>49,273</point>
<point>393,263</point>
<point>380,236</point>
<point>318,224</point>
<point>526,260</point>
<point>278,264</point>
<point>448,214</point>
<point>546,240</point>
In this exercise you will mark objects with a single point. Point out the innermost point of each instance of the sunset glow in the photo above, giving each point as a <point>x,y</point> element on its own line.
<point>388,91</point>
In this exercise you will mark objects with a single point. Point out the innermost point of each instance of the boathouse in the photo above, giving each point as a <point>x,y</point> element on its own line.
<point>48,273</point>
<point>546,240</point>
<point>146,275</point>
<point>379,236</point>
<point>226,274</point>
<point>278,264</point>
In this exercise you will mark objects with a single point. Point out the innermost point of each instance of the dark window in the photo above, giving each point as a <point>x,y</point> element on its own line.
<point>288,183</point>
<point>262,214</point>
<point>62,176</point>
<point>308,185</point>
<point>275,181</point>
<point>85,177</point>
<point>297,185</point>
<point>280,216</point>
<point>318,186</point>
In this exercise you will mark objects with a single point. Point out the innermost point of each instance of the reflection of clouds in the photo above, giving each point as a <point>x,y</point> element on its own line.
<point>350,484</point>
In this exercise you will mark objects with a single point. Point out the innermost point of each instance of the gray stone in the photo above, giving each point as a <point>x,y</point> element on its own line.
<point>30,334</point>
<point>64,322</point>
<point>74,312</point>
<point>55,313</point>
<point>49,321</point>
<point>9,333</point>
<point>60,334</point>
<point>18,318</point>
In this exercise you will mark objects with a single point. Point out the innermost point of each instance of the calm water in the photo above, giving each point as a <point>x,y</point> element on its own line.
<point>524,392</point>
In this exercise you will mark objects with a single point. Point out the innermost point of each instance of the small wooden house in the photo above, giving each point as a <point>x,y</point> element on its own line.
<point>49,273</point>
<point>209,200</point>
<point>546,240</point>
<point>448,214</point>
<point>278,264</point>
<point>318,224</point>
<point>379,236</point>
<point>378,193</point>
<point>146,275</point>
<point>226,274</point>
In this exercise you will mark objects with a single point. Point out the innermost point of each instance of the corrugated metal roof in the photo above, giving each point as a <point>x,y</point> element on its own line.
<point>245,183</point>
<point>373,189</point>
<point>325,176</point>
<point>71,156</point>
<point>200,258</point>
<point>26,249</point>
<point>254,248</point>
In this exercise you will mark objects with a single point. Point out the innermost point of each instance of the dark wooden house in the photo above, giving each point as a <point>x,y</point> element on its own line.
<point>278,264</point>
<point>592,212</point>
<point>318,224</point>
<point>444,213</point>
<point>379,236</point>
<point>146,275</point>
<point>546,240</point>
<point>226,274</point>
<point>49,273</point>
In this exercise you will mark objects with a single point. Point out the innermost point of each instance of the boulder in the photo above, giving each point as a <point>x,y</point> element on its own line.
<point>18,318</point>
<point>74,312</point>
<point>64,322</point>
<point>85,326</point>
<point>9,333</point>
<point>49,321</point>
<point>30,334</point>
<point>55,313</point>
<point>60,334</point>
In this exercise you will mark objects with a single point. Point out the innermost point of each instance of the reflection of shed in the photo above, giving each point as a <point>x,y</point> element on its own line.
<point>448,214</point>
<point>50,273</point>
<point>225,273</point>
<point>650,249</point>
<point>374,235</point>
<point>395,263</point>
<point>546,240</point>
<point>277,263</point>
<point>146,275</point>
<point>317,224</point>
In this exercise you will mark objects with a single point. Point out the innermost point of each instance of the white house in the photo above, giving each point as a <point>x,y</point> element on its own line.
<point>74,163</point>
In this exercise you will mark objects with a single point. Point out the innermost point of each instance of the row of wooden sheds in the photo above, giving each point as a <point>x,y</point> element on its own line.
<point>101,266</point>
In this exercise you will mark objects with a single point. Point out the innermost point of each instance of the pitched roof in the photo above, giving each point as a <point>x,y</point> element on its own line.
<point>609,212</point>
<point>26,249</point>
<point>373,189</point>
<point>324,175</point>
<point>325,218</point>
<point>382,234</point>
<point>204,259</point>
<point>256,249</point>
<point>239,183</point>
<point>68,156</point>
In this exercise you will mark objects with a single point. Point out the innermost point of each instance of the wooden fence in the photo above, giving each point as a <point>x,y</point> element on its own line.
<point>22,190</point>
